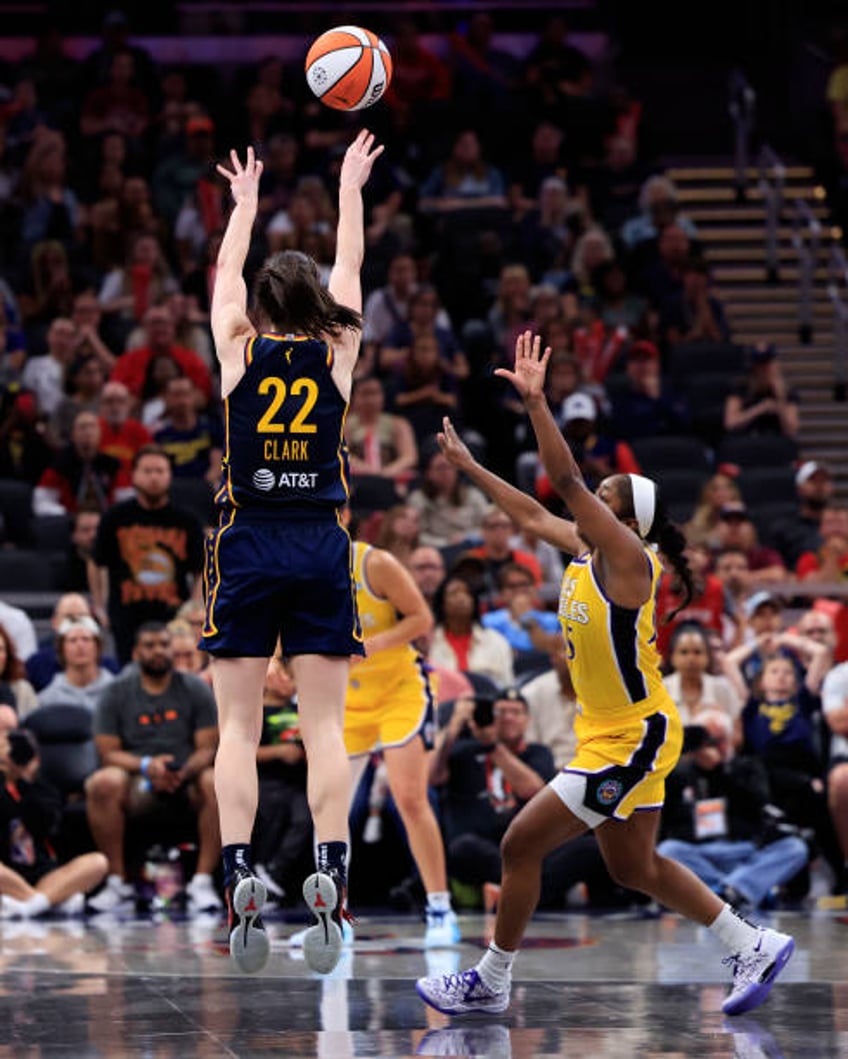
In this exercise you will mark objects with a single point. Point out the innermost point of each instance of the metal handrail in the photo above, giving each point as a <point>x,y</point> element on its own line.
<point>837,292</point>
<point>806,238</point>
<point>772,179</point>
<point>742,107</point>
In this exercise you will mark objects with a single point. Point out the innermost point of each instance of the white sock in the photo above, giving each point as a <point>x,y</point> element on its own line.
<point>202,878</point>
<point>33,906</point>
<point>115,882</point>
<point>495,968</point>
<point>734,932</point>
<point>439,901</point>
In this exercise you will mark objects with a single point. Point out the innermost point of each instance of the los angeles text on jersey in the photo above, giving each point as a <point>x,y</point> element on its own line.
<point>285,449</point>
<point>572,609</point>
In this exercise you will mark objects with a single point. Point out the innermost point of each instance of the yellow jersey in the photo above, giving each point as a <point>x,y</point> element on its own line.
<point>377,614</point>
<point>612,652</point>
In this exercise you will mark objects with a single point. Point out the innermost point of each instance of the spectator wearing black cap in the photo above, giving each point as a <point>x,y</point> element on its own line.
<point>762,403</point>
<point>736,529</point>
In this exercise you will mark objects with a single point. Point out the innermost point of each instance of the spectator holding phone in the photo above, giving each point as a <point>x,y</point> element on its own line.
<point>156,733</point>
<point>31,880</point>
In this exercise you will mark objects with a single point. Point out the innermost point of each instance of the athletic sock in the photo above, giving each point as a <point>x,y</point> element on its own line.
<point>439,901</point>
<point>235,856</point>
<point>332,857</point>
<point>734,932</point>
<point>33,906</point>
<point>495,968</point>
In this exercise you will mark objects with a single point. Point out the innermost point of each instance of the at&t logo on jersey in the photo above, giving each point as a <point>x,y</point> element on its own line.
<point>266,480</point>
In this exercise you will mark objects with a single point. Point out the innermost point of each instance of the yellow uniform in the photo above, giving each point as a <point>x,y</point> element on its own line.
<point>628,731</point>
<point>389,699</point>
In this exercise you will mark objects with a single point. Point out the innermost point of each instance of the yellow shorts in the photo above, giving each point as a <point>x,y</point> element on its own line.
<point>386,710</point>
<point>620,769</point>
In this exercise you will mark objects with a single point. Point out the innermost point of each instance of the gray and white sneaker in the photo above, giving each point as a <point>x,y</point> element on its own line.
<point>322,943</point>
<point>755,970</point>
<point>461,994</point>
<point>114,894</point>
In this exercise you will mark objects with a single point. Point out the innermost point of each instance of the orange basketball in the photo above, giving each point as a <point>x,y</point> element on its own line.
<point>348,68</point>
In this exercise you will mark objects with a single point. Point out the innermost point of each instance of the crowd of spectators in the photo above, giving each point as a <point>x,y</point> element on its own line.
<point>512,194</point>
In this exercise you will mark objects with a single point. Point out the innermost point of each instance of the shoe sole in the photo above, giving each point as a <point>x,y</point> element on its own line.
<point>758,993</point>
<point>322,943</point>
<point>249,945</point>
<point>494,1008</point>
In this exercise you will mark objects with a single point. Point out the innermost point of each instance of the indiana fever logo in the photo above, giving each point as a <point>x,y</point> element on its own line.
<point>571,609</point>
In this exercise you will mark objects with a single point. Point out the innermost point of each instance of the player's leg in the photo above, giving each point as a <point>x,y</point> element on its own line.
<point>321,687</point>
<point>238,684</point>
<point>757,954</point>
<point>545,823</point>
<point>78,876</point>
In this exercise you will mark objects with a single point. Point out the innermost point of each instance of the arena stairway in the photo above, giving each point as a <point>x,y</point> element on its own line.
<point>733,236</point>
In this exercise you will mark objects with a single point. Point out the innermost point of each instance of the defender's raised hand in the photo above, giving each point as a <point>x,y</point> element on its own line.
<point>528,376</point>
<point>453,447</point>
<point>358,159</point>
<point>244,179</point>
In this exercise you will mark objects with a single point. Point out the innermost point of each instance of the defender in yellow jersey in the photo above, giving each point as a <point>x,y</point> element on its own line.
<point>629,734</point>
<point>389,707</point>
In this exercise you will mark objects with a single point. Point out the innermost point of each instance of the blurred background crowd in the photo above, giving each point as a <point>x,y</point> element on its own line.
<point>522,186</point>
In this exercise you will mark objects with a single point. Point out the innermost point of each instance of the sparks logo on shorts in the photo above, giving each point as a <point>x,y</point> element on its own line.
<point>609,792</point>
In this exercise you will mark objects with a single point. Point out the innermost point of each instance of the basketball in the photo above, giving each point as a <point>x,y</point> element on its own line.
<point>348,68</point>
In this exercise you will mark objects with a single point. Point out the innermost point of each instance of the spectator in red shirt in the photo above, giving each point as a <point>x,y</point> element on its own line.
<point>419,77</point>
<point>121,436</point>
<point>131,368</point>
<point>736,530</point>
<point>81,475</point>
<point>706,607</point>
<point>830,561</point>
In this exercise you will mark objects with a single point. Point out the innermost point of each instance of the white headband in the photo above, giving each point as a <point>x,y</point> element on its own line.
<point>644,502</point>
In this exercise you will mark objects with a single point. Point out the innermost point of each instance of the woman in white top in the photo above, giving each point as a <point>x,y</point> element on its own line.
<point>690,683</point>
<point>459,640</point>
<point>449,510</point>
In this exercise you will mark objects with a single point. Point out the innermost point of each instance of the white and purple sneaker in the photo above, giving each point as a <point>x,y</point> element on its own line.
<point>461,994</point>
<point>755,970</point>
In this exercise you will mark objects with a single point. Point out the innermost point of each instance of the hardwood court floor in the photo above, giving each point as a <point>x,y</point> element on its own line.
<point>589,987</point>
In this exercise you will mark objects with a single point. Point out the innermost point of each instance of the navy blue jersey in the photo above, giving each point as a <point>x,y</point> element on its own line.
<point>284,444</point>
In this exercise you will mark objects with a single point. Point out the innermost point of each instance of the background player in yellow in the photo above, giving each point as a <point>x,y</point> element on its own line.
<point>389,707</point>
<point>629,734</point>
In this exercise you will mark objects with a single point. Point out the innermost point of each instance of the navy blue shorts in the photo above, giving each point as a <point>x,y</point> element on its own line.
<point>283,576</point>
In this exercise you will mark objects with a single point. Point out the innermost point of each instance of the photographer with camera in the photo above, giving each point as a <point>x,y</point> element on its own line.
<point>31,879</point>
<point>718,822</point>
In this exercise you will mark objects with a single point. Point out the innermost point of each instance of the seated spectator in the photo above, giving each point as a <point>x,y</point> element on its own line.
<point>618,306</point>
<point>553,707</point>
<point>464,181</point>
<point>800,532</point>
<point>131,368</point>
<point>730,566</point>
<point>835,706</point>
<point>546,233</point>
<point>378,442</point>
<point>592,249</point>
<point>127,294</point>
<point>190,327</point>
<point>74,575</point>
<point>450,510</point>
<point>424,313</point>
<point>15,690</point>
<point>597,347</point>
<point>193,442</point>
<point>81,476</point>
<point>43,664</point>
<point>156,734</point>
<point>459,641</point>
<point>398,532</point>
<point>597,455</point>
<point>524,627</point>
<point>566,377</point>
<point>550,563</point>
<point>45,375</point>
<point>763,403</point>
<point>188,658</point>
<point>20,630</point>
<point>86,317</point>
<point>84,381</point>
<point>82,679</point>
<point>706,607</point>
<point>718,490</point>
<point>660,266</point>
<point>427,567</point>
<point>714,820</point>
<point>830,561</point>
<point>736,529</point>
<point>689,681</point>
<point>487,770</point>
<point>32,882</point>
<point>425,391</point>
<point>385,308</point>
<point>809,658</point>
<point>659,209</point>
<point>647,407</point>
<point>496,551</point>
<point>694,314</point>
<point>282,834</point>
<point>51,209</point>
<point>24,452</point>
<point>511,308</point>
<point>121,435</point>
<point>117,105</point>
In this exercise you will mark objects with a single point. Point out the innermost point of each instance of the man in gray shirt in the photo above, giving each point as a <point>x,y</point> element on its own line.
<point>156,733</point>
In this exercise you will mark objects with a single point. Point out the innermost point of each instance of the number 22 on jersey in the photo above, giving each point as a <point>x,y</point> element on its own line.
<point>277,388</point>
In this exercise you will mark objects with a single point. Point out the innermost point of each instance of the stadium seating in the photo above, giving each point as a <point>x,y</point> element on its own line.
<point>767,485</point>
<point>657,455</point>
<point>757,450</point>
<point>16,511</point>
<point>27,571</point>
